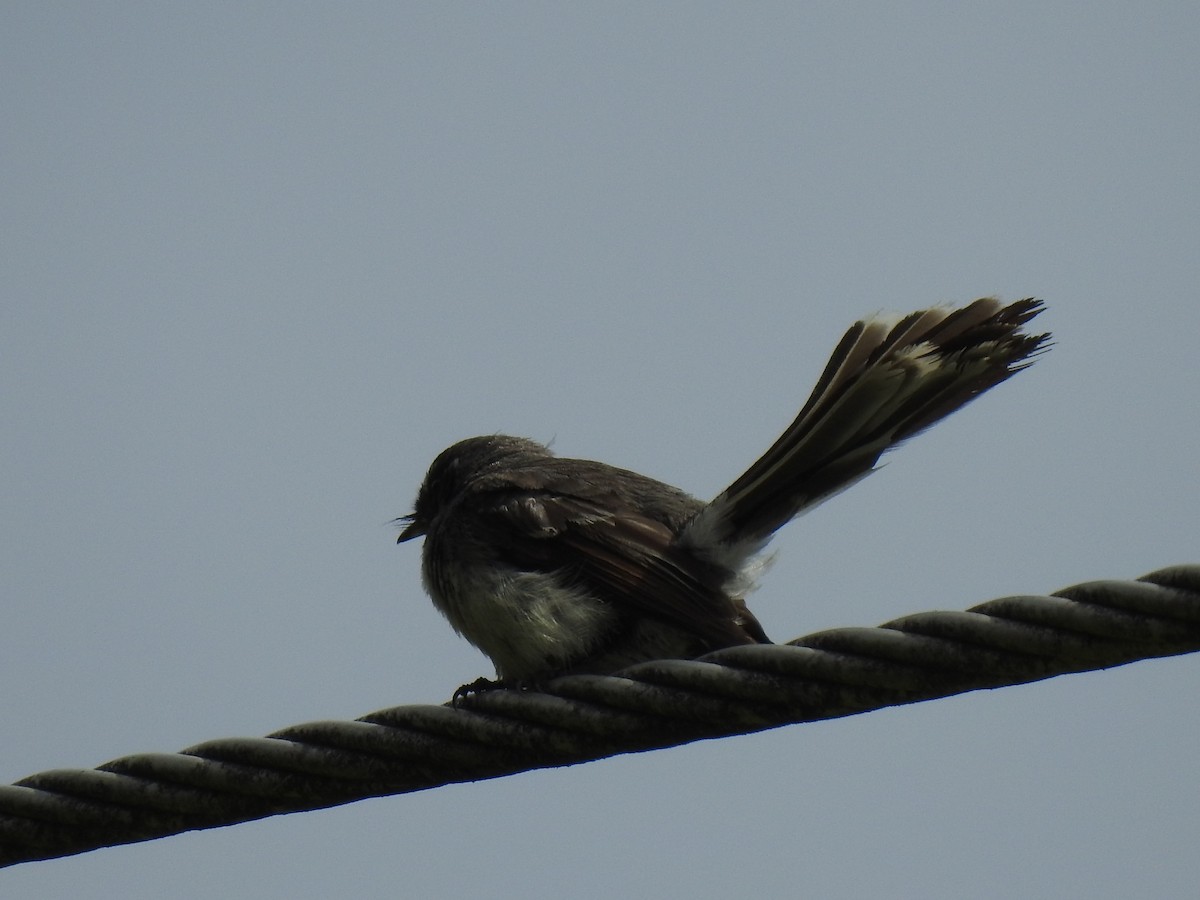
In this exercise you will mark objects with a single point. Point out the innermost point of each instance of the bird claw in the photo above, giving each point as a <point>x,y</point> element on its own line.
<point>483,685</point>
<point>478,686</point>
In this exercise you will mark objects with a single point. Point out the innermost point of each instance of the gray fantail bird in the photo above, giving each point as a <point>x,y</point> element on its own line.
<point>553,566</point>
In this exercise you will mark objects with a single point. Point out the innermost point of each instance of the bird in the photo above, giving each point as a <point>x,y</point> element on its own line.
<point>554,566</point>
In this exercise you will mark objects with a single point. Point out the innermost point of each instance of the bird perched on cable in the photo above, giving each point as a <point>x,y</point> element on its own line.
<point>554,566</point>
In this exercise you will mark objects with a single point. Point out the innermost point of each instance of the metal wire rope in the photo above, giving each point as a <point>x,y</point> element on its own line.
<point>1011,640</point>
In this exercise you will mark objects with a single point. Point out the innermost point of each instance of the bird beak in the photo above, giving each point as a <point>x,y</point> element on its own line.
<point>411,530</point>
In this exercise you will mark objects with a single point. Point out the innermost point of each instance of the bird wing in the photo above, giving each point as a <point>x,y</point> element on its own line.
<point>621,556</point>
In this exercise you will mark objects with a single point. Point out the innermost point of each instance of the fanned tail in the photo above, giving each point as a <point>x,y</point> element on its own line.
<point>884,383</point>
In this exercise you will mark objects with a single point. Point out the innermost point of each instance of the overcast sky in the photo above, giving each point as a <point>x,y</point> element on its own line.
<point>260,262</point>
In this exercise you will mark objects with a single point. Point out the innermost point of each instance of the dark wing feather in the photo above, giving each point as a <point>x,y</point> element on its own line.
<point>620,556</point>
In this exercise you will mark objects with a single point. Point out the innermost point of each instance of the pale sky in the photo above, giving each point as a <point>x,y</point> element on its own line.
<point>260,263</point>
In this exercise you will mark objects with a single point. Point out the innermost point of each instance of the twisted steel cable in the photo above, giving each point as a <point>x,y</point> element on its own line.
<point>1011,640</point>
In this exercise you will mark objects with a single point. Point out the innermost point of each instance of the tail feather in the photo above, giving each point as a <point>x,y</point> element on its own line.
<point>884,383</point>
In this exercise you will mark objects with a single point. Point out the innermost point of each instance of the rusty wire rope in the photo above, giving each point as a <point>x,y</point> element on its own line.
<point>1011,640</point>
